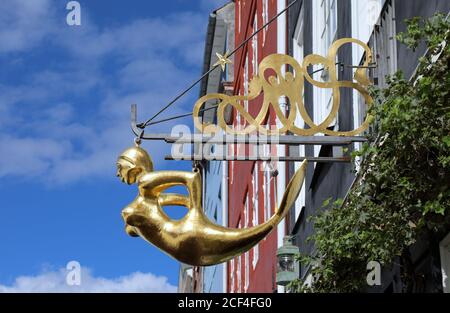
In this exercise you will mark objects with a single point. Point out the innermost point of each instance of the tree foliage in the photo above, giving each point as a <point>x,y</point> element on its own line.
<point>403,190</point>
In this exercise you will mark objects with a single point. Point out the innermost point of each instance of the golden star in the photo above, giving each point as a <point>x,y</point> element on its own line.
<point>222,60</point>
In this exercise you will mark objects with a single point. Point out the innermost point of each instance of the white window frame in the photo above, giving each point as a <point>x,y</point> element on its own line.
<point>324,33</point>
<point>238,117</point>
<point>240,122</point>
<point>232,169</point>
<point>246,209</point>
<point>239,268</point>
<point>265,18</point>
<point>246,83</point>
<point>363,15</point>
<point>255,202</point>
<point>247,270</point>
<point>232,275</point>
<point>267,185</point>
<point>255,220</point>
<point>298,45</point>
<point>255,47</point>
<point>255,255</point>
<point>239,15</point>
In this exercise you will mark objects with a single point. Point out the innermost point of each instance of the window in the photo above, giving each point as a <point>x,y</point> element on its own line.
<point>255,48</point>
<point>298,52</point>
<point>329,24</point>
<point>255,220</point>
<point>247,270</point>
<point>239,16</point>
<point>246,210</point>
<point>265,18</point>
<point>239,121</point>
<point>382,41</point>
<point>324,33</point>
<point>238,117</point>
<point>246,82</point>
<point>232,169</point>
<point>232,275</point>
<point>298,38</point>
<point>255,255</point>
<point>255,195</point>
<point>239,268</point>
<point>239,276</point>
<point>266,187</point>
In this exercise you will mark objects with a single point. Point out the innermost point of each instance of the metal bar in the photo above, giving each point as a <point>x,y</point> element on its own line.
<point>194,157</point>
<point>134,127</point>
<point>290,140</point>
<point>262,140</point>
<point>361,66</point>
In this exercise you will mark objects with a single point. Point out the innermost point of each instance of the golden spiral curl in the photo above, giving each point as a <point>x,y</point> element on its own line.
<point>290,85</point>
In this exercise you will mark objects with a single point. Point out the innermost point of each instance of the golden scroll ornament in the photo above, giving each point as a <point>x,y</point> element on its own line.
<point>290,85</point>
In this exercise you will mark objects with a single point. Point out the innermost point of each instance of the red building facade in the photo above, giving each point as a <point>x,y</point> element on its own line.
<point>251,187</point>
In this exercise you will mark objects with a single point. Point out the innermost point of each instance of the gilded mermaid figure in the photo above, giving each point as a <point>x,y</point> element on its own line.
<point>194,239</point>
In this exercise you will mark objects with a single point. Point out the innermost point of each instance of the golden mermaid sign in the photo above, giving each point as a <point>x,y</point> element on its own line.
<point>194,239</point>
<point>291,85</point>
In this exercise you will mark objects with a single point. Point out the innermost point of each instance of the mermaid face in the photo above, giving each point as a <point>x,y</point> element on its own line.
<point>127,171</point>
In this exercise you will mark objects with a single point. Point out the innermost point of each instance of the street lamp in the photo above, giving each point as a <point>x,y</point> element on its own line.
<point>287,265</point>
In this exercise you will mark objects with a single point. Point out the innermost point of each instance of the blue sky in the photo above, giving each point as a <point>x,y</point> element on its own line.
<point>65,95</point>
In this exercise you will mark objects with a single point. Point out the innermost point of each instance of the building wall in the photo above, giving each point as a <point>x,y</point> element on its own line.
<point>251,189</point>
<point>333,180</point>
<point>323,180</point>
<point>212,191</point>
<point>407,59</point>
<point>251,192</point>
<point>220,31</point>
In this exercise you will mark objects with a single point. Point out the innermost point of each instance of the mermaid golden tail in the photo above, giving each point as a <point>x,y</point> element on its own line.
<point>290,195</point>
<point>292,190</point>
<point>227,243</point>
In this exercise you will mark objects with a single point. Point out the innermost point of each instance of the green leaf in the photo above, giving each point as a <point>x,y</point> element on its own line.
<point>446,140</point>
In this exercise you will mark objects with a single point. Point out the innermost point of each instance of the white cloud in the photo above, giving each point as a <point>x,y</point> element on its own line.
<point>55,281</point>
<point>51,137</point>
<point>29,157</point>
<point>24,23</point>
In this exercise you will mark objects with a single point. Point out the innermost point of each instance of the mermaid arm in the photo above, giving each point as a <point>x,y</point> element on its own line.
<point>155,183</point>
<point>174,199</point>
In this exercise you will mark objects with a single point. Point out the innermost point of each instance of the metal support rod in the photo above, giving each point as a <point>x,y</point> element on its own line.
<point>194,157</point>
<point>361,66</point>
<point>242,44</point>
<point>288,140</point>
